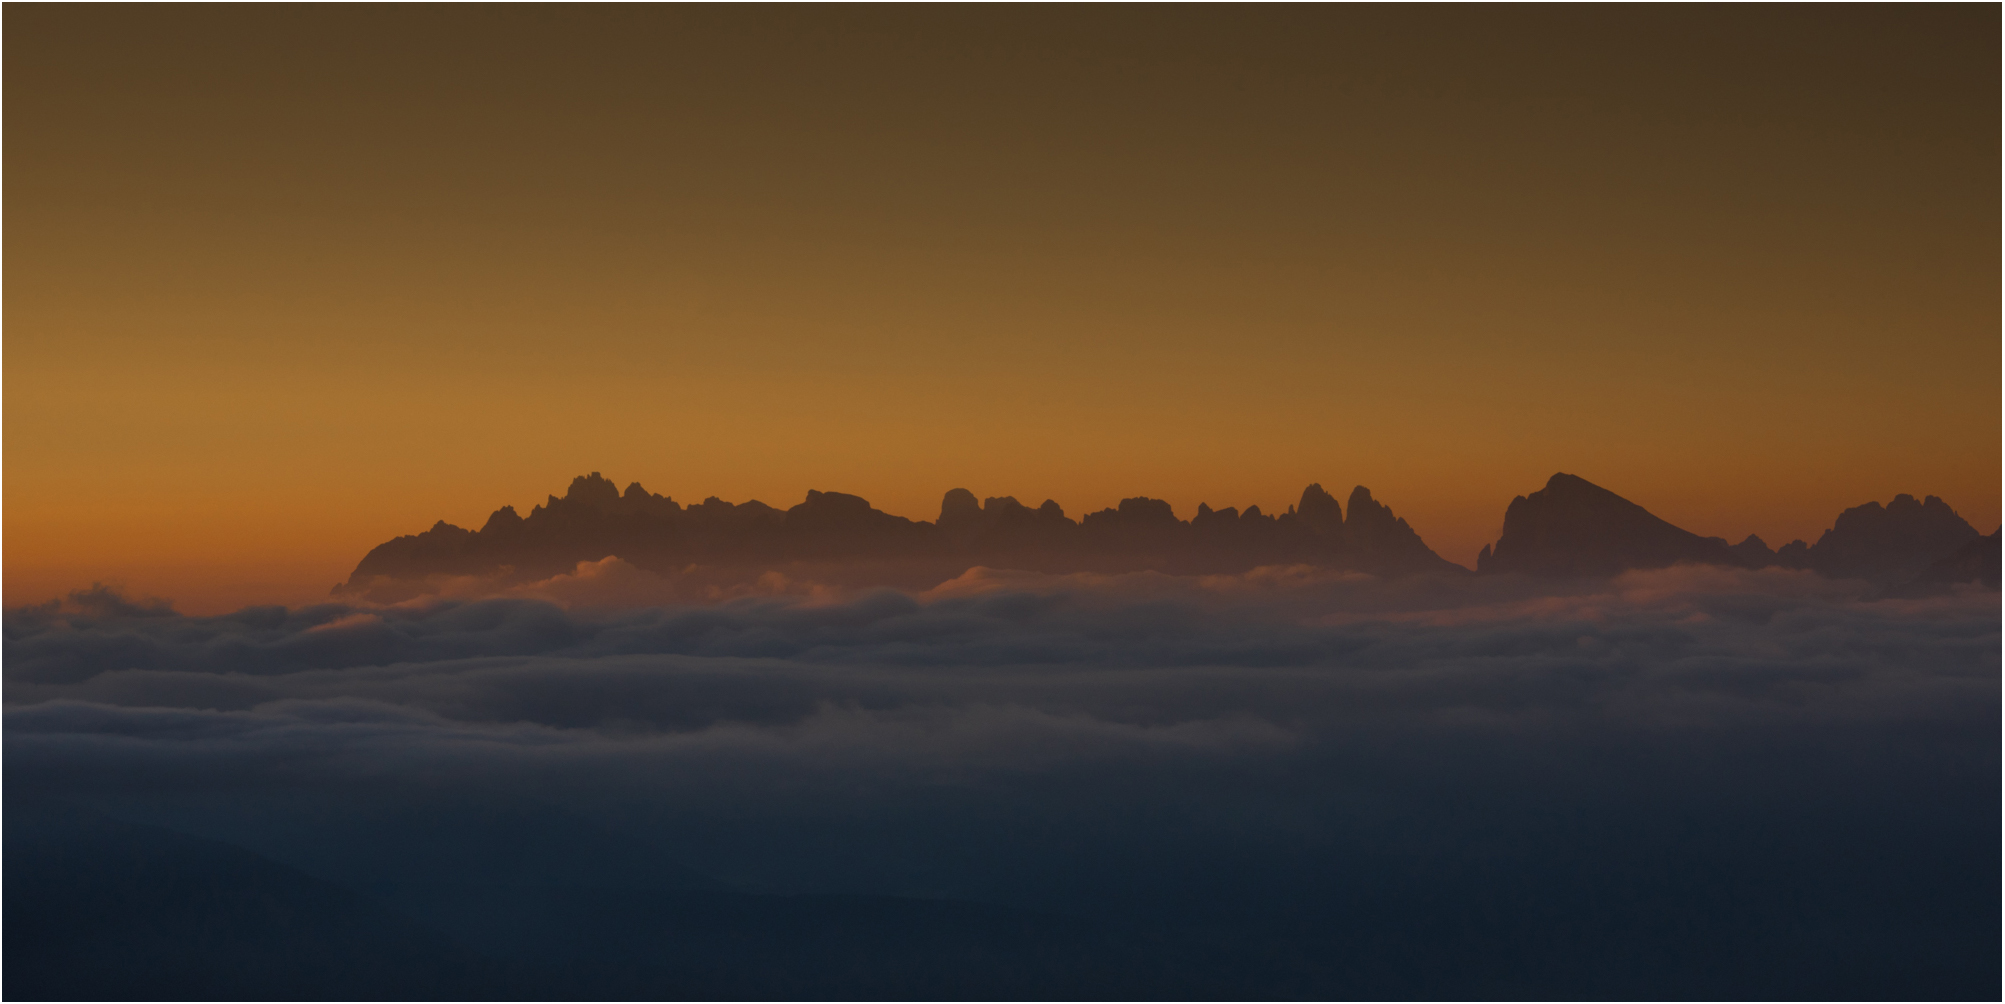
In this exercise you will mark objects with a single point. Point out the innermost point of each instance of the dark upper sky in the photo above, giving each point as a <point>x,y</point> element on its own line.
<point>355,268</point>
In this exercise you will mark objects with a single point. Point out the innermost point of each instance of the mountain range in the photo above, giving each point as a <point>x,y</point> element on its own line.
<point>1569,528</point>
<point>1573,527</point>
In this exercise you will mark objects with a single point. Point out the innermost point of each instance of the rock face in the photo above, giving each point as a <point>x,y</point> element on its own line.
<point>1575,528</point>
<point>1374,540</point>
<point>1572,527</point>
<point>1319,511</point>
<point>594,520</point>
<point>1897,542</point>
<point>1977,561</point>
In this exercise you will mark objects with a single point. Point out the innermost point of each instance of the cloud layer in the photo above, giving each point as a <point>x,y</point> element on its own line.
<point>1011,734</point>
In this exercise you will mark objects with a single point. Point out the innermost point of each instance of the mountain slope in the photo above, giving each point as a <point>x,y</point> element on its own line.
<point>1573,527</point>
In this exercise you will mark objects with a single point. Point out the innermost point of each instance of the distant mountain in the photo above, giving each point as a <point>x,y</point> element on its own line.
<point>1573,527</point>
<point>1895,543</point>
<point>596,520</point>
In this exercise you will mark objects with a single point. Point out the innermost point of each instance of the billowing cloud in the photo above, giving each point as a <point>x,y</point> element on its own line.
<point>991,670</point>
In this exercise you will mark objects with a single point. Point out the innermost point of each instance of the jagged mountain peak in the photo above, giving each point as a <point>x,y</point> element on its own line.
<point>1319,509</point>
<point>1382,541</point>
<point>1899,540</point>
<point>1571,526</point>
<point>502,519</point>
<point>593,520</point>
<point>592,489</point>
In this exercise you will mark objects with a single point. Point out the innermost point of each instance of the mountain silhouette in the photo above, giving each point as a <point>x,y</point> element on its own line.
<point>1897,542</point>
<point>595,520</point>
<point>1570,528</point>
<point>1573,527</point>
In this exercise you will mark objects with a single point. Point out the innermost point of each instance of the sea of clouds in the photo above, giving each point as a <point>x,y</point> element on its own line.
<point>585,691</point>
<point>1288,743</point>
<point>1256,662</point>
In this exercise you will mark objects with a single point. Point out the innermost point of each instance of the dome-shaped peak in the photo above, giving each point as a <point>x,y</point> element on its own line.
<point>1142,509</point>
<point>959,506</point>
<point>834,502</point>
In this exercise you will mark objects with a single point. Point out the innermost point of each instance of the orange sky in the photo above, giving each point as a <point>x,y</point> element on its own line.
<point>285,282</point>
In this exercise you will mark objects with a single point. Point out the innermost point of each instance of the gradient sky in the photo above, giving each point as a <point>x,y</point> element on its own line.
<point>285,282</point>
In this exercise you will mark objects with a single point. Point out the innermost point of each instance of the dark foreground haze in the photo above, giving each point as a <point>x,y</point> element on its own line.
<point>1286,783</point>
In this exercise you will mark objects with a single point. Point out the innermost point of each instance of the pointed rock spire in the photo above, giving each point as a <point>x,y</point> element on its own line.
<point>503,520</point>
<point>1319,509</point>
<point>1381,542</point>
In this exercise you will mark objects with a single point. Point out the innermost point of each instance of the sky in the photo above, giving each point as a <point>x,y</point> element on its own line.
<point>286,282</point>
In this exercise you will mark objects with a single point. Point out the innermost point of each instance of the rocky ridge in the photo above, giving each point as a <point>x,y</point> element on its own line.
<point>1569,528</point>
<point>595,520</point>
<point>1575,528</point>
